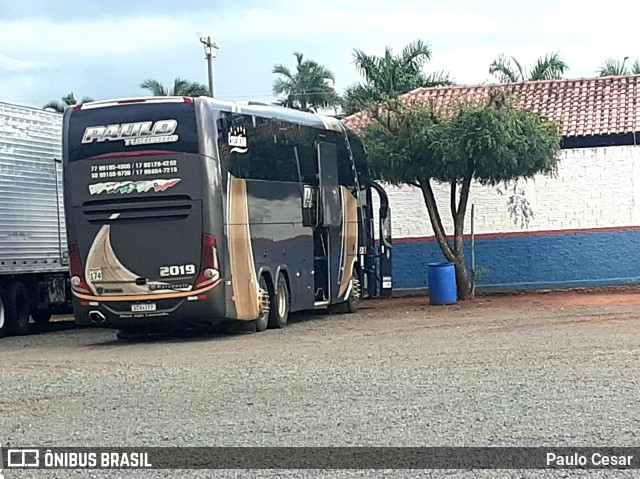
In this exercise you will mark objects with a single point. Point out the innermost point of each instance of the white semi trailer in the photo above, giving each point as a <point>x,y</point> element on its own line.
<point>34,278</point>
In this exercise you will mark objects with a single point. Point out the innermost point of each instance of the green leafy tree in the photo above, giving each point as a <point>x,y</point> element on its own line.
<point>489,142</point>
<point>612,67</point>
<point>67,101</point>
<point>510,70</point>
<point>181,87</point>
<point>391,75</point>
<point>309,87</point>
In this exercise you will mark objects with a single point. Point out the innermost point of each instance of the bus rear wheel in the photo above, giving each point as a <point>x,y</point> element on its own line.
<point>265,297</point>
<point>133,335</point>
<point>280,306</point>
<point>41,316</point>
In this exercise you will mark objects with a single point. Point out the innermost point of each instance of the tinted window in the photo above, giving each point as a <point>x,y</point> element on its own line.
<point>308,161</point>
<point>346,174</point>
<point>131,128</point>
<point>257,149</point>
<point>267,149</point>
<point>359,155</point>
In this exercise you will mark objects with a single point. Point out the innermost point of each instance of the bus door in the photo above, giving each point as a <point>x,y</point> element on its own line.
<point>384,281</point>
<point>327,235</point>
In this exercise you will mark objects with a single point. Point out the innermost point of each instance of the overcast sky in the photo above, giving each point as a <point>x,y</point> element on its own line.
<point>105,49</point>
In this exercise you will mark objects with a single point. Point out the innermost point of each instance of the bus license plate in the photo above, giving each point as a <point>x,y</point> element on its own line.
<point>139,308</point>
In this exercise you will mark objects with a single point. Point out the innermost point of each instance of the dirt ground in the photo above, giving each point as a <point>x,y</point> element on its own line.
<point>552,299</point>
<point>542,369</point>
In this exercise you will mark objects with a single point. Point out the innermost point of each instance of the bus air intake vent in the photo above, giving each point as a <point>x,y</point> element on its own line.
<point>137,210</point>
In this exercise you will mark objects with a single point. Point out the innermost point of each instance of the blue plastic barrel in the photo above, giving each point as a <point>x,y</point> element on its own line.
<point>442,283</point>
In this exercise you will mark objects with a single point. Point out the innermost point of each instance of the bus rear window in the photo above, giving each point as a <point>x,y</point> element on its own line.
<point>132,128</point>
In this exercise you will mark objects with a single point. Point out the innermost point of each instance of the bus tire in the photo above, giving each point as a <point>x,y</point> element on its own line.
<point>351,305</point>
<point>263,321</point>
<point>41,316</point>
<point>18,309</point>
<point>132,335</point>
<point>4,324</point>
<point>281,304</point>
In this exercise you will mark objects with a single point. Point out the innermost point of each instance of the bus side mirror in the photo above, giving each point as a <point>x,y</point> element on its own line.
<point>310,206</point>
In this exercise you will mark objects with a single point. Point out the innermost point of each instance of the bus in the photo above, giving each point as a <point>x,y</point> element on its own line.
<point>189,211</point>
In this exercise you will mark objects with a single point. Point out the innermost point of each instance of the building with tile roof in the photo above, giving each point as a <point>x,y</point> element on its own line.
<point>585,230</point>
<point>592,111</point>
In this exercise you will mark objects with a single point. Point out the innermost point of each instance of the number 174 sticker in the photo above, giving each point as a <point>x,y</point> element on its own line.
<point>95,274</point>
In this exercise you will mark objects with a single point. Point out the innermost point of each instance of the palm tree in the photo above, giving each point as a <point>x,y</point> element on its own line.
<point>180,87</point>
<point>310,87</point>
<point>549,67</point>
<point>389,76</point>
<point>612,67</point>
<point>67,101</point>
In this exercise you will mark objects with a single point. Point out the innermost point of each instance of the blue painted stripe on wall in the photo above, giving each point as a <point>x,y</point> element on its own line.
<point>529,262</point>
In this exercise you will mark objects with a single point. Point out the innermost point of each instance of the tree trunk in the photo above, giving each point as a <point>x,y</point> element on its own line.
<point>455,254</point>
<point>462,278</point>
<point>436,221</point>
<point>462,275</point>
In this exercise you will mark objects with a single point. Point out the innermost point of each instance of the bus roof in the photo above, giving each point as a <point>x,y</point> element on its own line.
<point>249,108</point>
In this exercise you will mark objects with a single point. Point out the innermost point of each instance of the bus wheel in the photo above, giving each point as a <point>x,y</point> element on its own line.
<point>279,314</point>
<point>17,308</point>
<point>3,314</point>
<point>265,304</point>
<point>132,335</point>
<point>352,304</point>
<point>41,316</point>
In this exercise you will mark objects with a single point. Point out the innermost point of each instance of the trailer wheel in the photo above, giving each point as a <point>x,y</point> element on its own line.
<point>41,316</point>
<point>18,308</point>
<point>279,314</point>
<point>3,314</point>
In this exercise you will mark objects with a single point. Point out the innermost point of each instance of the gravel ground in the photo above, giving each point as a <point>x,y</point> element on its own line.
<point>530,370</point>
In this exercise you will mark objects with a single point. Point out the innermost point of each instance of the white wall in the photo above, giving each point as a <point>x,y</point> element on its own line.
<point>594,188</point>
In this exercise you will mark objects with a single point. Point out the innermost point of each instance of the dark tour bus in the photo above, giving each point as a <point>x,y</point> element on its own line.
<point>189,211</point>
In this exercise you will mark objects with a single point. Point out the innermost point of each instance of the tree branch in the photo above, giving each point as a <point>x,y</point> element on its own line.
<point>458,217</point>
<point>436,221</point>
<point>464,194</point>
<point>454,210</point>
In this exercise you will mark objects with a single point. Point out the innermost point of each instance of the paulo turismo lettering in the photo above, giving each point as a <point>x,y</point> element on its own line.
<point>596,459</point>
<point>139,133</point>
<point>107,460</point>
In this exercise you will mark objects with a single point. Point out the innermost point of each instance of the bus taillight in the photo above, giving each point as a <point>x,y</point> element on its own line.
<point>78,282</point>
<point>209,266</point>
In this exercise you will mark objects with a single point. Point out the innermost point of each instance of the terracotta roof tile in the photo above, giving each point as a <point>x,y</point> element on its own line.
<point>584,107</point>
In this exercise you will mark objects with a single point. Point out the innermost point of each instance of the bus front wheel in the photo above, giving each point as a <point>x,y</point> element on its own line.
<point>279,314</point>
<point>352,304</point>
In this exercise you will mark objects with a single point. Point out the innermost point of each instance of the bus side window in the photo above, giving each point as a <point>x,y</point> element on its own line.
<point>346,174</point>
<point>284,166</point>
<point>308,164</point>
<point>359,156</point>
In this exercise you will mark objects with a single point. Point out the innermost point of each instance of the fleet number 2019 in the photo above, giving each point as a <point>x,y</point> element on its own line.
<point>178,270</point>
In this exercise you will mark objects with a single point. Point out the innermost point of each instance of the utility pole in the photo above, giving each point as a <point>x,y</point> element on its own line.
<point>210,49</point>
